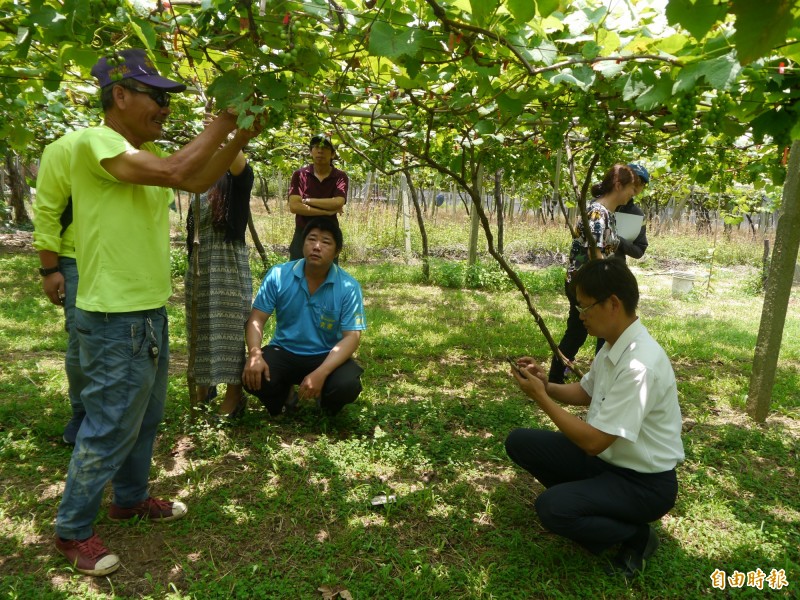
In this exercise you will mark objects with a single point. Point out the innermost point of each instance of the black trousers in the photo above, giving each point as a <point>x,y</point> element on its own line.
<point>587,499</point>
<point>286,369</point>
<point>296,246</point>
<point>572,341</point>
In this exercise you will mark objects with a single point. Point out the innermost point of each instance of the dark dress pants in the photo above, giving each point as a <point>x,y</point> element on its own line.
<point>287,369</point>
<point>588,500</point>
<point>574,337</point>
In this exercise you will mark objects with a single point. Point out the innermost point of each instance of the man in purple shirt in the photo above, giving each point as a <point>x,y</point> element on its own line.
<point>317,190</point>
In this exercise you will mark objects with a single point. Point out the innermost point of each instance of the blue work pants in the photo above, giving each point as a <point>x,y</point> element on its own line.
<point>76,380</point>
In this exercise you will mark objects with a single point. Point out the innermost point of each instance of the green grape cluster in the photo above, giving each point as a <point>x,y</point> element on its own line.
<point>417,119</point>
<point>720,108</point>
<point>597,131</point>
<point>553,135</point>
<point>597,124</point>
<point>386,104</point>
<point>584,107</point>
<point>289,36</point>
<point>686,152</point>
<point>313,122</point>
<point>648,138</point>
<point>684,112</point>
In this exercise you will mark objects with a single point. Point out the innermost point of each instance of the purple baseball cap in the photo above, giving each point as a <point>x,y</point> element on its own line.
<point>132,63</point>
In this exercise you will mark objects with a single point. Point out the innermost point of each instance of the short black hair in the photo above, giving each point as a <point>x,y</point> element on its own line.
<point>602,278</point>
<point>325,224</point>
<point>106,97</point>
<point>321,140</point>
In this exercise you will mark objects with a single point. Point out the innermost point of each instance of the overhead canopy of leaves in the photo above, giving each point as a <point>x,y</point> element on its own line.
<point>446,82</point>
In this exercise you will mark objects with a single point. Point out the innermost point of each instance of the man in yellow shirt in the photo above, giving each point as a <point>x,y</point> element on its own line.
<point>54,238</point>
<point>121,188</point>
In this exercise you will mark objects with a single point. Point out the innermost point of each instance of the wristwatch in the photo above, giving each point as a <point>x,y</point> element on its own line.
<point>49,271</point>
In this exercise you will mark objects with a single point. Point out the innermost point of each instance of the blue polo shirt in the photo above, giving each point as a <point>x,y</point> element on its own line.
<point>307,324</point>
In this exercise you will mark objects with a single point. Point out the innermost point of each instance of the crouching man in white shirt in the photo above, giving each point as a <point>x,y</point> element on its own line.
<point>610,475</point>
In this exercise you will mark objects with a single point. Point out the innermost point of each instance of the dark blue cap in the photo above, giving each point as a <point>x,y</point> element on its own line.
<point>641,172</point>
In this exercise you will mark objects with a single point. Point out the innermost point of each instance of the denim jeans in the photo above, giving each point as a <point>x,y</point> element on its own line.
<point>124,402</point>
<point>72,361</point>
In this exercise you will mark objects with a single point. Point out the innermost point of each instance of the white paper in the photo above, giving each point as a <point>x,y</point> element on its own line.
<point>628,226</point>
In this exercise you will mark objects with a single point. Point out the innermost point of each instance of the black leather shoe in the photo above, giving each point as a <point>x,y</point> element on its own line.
<point>630,560</point>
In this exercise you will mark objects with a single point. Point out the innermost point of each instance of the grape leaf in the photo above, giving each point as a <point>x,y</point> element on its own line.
<point>697,17</point>
<point>385,40</point>
<point>759,30</point>
<point>522,10</point>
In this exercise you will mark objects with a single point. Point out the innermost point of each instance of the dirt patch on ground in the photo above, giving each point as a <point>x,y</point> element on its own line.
<point>16,241</point>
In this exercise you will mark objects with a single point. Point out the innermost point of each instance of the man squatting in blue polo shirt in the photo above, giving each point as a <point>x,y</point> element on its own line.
<point>320,317</point>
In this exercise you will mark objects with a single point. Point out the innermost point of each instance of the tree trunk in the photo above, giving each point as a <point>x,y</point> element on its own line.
<point>557,200</point>
<point>406,215</point>
<point>475,223</point>
<point>679,206</point>
<point>264,197</point>
<point>251,226</point>
<point>426,267</point>
<point>366,192</point>
<point>16,182</point>
<point>776,295</point>
<point>498,201</point>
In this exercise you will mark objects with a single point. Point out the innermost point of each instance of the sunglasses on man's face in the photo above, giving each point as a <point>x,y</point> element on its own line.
<point>160,97</point>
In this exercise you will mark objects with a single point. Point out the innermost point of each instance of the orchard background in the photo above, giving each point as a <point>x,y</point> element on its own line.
<point>529,95</point>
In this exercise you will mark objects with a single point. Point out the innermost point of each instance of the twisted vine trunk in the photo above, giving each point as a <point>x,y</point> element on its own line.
<point>16,181</point>
<point>426,267</point>
<point>191,382</point>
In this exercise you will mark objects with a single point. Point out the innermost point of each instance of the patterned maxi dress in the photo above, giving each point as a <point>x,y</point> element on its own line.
<point>225,288</point>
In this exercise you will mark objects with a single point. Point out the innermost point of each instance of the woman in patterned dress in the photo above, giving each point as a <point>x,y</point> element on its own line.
<point>618,186</point>
<point>224,287</point>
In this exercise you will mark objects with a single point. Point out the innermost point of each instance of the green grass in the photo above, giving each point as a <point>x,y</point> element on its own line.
<point>280,507</point>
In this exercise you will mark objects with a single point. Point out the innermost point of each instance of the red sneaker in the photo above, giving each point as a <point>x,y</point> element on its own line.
<point>88,556</point>
<point>152,508</point>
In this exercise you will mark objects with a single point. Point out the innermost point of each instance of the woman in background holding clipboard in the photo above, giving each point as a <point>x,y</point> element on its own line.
<point>619,185</point>
<point>634,247</point>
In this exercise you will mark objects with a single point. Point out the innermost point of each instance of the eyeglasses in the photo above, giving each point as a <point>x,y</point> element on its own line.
<point>160,97</point>
<point>581,310</point>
